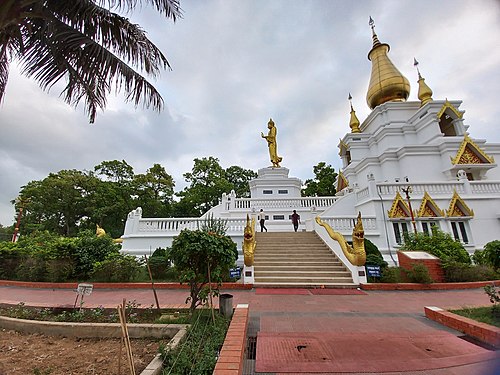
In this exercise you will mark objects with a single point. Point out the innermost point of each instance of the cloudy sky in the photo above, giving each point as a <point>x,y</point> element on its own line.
<point>236,63</point>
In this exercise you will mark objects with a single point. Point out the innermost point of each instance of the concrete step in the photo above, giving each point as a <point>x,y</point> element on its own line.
<point>290,268</point>
<point>296,258</point>
<point>306,285</point>
<point>304,280</point>
<point>301,274</point>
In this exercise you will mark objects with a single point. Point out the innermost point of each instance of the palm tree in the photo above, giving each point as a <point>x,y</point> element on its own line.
<point>94,49</point>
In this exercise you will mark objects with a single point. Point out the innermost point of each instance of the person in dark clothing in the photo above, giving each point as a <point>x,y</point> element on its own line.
<point>262,220</point>
<point>295,220</point>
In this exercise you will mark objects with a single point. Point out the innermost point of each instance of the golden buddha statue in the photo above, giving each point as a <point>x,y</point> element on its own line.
<point>272,144</point>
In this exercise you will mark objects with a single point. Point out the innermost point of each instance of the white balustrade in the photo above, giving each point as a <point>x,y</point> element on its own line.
<point>176,225</point>
<point>390,190</point>
<point>303,202</point>
<point>479,187</point>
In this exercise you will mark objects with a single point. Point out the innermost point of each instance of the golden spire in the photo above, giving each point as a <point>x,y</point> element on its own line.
<point>424,91</point>
<point>353,122</point>
<point>386,81</point>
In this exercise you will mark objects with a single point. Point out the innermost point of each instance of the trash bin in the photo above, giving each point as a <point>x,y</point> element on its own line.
<point>226,305</point>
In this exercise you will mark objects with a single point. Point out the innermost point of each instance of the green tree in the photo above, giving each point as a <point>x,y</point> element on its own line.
<point>207,183</point>
<point>440,244</point>
<point>59,202</point>
<point>194,253</point>
<point>154,191</point>
<point>323,183</point>
<point>239,178</point>
<point>115,171</point>
<point>83,41</point>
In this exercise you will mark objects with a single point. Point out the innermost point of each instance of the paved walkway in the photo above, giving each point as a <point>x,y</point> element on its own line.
<point>378,332</point>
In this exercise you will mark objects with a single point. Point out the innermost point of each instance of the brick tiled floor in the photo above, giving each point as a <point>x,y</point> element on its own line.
<point>366,317</point>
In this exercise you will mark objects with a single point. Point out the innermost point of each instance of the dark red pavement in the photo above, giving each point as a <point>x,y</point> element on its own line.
<point>381,323</point>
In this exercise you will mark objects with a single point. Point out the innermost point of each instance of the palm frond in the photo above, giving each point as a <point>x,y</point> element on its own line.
<point>91,48</point>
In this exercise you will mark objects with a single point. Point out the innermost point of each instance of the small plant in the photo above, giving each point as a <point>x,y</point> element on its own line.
<point>494,293</point>
<point>391,275</point>
<point>419,274</point>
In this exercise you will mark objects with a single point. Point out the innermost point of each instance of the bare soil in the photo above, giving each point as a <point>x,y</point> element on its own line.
<point>23,354</point>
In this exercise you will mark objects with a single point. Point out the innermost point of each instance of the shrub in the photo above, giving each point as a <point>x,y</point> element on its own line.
<point>159,266</point>
<point>391,275</point>
<point>490,255</point>
<point>91,249</point>
<point>440,244</point>
<point>117,268</point>
<point>418,274</point>
<point>194,253</point>
<point>494,294</point>
<point>459,272</point>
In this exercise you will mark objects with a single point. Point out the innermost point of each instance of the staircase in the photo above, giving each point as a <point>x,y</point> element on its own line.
<point>299,259</point>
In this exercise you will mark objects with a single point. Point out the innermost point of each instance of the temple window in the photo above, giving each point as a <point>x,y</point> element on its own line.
<point>428,227</point>
<point>278,217</point>
<point>446,126</point>
<point>267,192</point>
<point>282,191</point>
<point>459,231</point>
<point>400,231</point>
<point>348,157</point>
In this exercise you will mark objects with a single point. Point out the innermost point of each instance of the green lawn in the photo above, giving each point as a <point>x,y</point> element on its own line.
<point>481,314</point>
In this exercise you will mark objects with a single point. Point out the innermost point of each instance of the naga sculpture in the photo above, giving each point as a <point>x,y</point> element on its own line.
<point>355,254</point>
<point>249,242</point>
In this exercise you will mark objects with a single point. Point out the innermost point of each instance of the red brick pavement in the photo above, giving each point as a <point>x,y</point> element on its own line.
<point>365,318</point>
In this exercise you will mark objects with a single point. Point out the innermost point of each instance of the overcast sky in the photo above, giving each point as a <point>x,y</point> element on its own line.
<point>236,63</point>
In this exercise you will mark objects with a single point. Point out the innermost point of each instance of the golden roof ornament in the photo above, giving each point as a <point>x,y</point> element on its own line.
<point>424,91</point>
<point>387,84</point>
<point>353,122</point>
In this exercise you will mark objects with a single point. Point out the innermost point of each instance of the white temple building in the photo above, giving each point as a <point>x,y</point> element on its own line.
<point>409,166</point>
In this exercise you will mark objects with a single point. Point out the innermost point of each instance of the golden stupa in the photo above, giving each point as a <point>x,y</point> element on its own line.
<point>387,84</point>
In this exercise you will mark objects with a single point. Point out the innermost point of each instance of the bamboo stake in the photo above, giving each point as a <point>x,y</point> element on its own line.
<point>152,283</point>
<point>210,290</point>
<point>126,338</point>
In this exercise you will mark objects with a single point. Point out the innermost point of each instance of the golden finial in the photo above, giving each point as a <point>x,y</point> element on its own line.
<point>424,91</point>
<point>386,81</point>
<point>353,122</point>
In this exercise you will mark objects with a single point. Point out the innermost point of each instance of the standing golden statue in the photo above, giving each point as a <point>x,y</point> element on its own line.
<point>272,144</point>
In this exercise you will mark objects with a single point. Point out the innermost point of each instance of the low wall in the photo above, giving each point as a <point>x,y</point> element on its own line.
<point>91,330</point>
<point>481,331</point>
<point>232,354</point>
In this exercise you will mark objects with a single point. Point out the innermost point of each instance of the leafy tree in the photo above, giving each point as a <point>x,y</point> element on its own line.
<point>93,48</point>
<point>440,244</point>
<point>239,178</point>
<point>207,183</point>
<point>154,189</point>
<point>323,183</point>
<point>490,255</point>
<point>59,202</point>
<point>115,171</point>
<point>194,253</point>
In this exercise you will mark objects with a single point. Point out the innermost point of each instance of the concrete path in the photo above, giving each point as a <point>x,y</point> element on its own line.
<point>376,332</point>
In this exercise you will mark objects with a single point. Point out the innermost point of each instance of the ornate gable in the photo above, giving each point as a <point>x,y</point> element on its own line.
<point>342,147</point>
<point>470,153</point>
<point>449,108</point>
<point>342,182</point>
<point>399,208</point>
<point>458,208</point>
<point>429,208</point>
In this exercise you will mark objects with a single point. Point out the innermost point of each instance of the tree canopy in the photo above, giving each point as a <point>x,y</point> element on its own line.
<point>323,183</point>
<point>208,181</point>
<point>83,41</point>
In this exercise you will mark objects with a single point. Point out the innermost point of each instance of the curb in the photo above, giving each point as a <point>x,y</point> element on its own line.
<point>232,354</point>
<point>481,331</point>
<point>74,285</point>
<point>433,286</point>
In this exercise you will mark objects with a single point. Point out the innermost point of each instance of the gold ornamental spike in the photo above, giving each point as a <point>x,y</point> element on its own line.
<point>353,122</point>
<point>386,82</point>
<point>424,91</point>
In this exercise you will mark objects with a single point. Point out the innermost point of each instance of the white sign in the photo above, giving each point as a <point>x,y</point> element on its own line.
<point>85,289</point>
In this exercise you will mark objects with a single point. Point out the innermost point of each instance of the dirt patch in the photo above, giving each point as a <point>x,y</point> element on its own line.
<point>23,354</point>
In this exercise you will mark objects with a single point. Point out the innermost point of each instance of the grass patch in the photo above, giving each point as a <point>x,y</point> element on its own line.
<point>486,315</point>
<point>198,351</point>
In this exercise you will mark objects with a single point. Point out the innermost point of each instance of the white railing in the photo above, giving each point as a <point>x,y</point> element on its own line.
<point>363,193</point>
<point>346,224</point>
<point>272,203</point>
<point>479,187</point>
<point>175,225</point>
<point>386,189</point>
